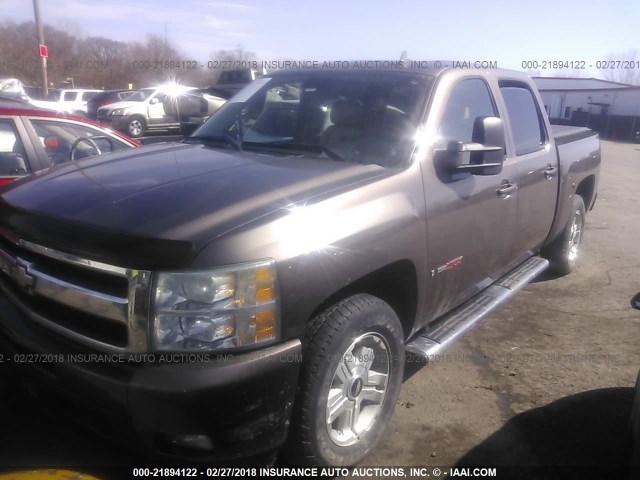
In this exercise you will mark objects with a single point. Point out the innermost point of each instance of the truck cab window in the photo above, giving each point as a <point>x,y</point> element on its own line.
<point>468,100</point>
<point>526,122</point>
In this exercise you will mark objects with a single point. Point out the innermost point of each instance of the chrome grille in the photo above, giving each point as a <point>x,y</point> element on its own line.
<point>100,305</point>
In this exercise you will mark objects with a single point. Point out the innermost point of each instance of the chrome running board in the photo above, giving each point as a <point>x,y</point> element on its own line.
<point>444,331</point>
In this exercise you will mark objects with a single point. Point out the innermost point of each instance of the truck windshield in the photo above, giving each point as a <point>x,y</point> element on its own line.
<point>363,117</point>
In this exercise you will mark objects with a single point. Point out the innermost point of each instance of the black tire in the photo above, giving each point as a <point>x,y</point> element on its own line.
<point>560,253</point>
<point>634,430</point>
<point>136,126</point>
<point>356,320</point>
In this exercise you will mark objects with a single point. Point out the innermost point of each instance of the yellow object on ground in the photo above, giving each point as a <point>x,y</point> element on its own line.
<point>47,474</point>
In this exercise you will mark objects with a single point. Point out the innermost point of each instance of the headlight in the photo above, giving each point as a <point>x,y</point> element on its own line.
<point>216,309</point>
<point>117,111</point>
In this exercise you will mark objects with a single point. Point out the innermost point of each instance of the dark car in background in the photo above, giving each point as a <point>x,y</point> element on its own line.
<point>32,139</point>
<point>195,108</point>
<point>231,81</point>
<point>105,98</point>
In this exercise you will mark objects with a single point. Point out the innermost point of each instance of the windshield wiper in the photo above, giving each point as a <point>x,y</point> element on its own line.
<point>304,147</point>
<point>214,138</point>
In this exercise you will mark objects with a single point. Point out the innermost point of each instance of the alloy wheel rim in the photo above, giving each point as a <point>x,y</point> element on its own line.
<point>358,389</point>
<point>575,236</point>
<point>135,127</point>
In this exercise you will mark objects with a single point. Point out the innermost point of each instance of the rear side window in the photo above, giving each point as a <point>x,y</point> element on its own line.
<point>469,99</point>
<point>69,96</point>
<point>524,115</point>
<point>87,95</point>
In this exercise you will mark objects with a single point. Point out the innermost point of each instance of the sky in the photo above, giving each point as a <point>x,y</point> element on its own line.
<point>507,32</point>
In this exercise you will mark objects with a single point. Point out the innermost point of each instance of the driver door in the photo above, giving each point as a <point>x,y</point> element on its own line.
<point>470,220</point>
<point>155,108</point>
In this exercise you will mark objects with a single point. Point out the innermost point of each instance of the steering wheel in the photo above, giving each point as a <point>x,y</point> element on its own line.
<point>79,140</point>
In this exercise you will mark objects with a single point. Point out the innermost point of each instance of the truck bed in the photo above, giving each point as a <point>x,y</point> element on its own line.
<point>565,134</point>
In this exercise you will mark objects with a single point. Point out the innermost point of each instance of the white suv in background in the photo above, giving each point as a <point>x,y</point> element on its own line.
<point>146,109</point>
<point>69,101</point>
<point>75,100</point>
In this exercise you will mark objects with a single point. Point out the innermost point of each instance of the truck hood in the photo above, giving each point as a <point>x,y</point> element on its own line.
<point>159,205</point>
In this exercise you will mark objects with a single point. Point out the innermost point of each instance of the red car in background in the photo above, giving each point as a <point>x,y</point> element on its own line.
<point>32,139</point>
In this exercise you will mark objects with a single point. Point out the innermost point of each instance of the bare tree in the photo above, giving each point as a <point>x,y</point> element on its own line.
<point>94,61</point>
<point>18,55</point>
<point>235,57</point>
<point>238,53</point>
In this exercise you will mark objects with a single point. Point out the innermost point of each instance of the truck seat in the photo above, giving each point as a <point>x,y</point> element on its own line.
<point>346,116</point>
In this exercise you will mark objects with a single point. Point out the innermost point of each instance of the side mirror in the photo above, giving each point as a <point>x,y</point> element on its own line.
<point>153,101</point>
<point>486,151</point>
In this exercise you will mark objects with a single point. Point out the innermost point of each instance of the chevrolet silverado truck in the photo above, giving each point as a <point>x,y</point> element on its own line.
<point>258,288</point>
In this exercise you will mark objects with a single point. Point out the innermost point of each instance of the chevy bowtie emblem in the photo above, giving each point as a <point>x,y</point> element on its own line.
<point>447,266</point>
<point>20,274</point>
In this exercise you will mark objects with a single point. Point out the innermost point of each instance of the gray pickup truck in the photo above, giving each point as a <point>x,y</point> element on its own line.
<point>258,287</point>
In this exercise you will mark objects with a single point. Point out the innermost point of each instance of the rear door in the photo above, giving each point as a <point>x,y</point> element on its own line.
<point>533,159</point>
<point>470,218</point>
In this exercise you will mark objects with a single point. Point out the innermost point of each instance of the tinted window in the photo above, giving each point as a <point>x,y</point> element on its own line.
<point>69,96</point>
<point>87,95</point>
<point>141,95</point>
<point>235,76</point>
<point>13,159</point>
<point>524,116</point>
<point>469,100</point>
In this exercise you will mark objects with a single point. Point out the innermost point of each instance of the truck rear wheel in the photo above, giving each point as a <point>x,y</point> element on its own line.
<point>353,364</point>
<point>563,252</point>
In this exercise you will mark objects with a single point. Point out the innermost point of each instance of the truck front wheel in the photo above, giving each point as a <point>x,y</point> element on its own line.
<point>563,251</point>
<point>353,364</point>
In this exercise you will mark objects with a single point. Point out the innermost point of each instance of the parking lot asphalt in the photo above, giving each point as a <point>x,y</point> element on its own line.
<point>546,380</point>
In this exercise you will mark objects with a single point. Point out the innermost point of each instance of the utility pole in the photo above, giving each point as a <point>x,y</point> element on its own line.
<point>43,59</point>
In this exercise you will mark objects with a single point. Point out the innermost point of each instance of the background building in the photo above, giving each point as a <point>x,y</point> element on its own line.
<point>610,108</point>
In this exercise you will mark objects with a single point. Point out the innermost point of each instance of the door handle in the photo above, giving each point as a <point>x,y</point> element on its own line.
<point>506,189</point>
<point>550,172</point>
